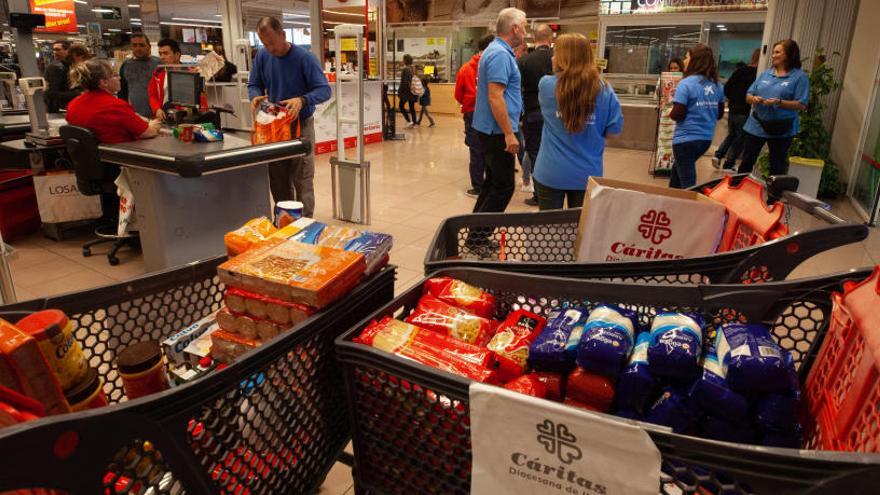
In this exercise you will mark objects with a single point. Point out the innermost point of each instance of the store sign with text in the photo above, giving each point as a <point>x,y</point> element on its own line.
<point>60,15</point>
<point>611,7</point>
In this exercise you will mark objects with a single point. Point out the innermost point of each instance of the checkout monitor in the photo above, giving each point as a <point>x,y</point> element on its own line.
<point>184,88</point>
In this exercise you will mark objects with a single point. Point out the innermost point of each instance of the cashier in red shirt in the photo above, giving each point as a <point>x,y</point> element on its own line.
<point>111,119</point>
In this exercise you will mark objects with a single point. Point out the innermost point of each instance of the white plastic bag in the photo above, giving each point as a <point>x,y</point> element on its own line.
<point>59,200</point>
<point>127,218</point>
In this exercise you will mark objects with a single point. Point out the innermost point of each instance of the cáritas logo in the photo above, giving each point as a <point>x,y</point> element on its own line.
<point>655,225</point>
<point>558,440</point>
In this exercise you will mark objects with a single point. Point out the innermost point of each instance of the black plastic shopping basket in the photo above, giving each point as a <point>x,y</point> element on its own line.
<point>411,422</point>
<point>274,422</point>
<point>544,243</point>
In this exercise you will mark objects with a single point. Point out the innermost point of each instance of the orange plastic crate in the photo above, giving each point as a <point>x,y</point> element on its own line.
<point>843,387</point>
<point>750,221</point>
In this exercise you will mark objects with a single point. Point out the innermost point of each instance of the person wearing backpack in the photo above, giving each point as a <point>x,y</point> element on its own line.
<point>405,91</point>
<point>425,101</point>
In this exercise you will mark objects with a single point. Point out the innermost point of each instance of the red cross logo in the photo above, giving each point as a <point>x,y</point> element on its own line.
<point>655,226</point>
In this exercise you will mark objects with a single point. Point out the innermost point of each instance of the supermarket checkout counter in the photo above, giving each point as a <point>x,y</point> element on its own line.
<point>17,124</point>
<point>188,195</point>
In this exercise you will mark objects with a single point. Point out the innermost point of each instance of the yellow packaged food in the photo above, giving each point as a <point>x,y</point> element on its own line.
<point>248,235</point>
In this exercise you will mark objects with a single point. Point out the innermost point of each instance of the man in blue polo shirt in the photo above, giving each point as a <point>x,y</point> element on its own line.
<point>291,76</point>
<point>498,109</point>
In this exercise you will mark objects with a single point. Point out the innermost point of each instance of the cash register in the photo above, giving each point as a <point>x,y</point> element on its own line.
<point>41,133</point>
<point>184,100</point>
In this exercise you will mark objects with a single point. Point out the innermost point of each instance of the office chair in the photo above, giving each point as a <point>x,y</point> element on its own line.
<point>95,178</point>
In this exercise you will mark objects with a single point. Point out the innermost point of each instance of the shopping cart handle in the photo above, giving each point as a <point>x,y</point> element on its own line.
<point>813,206</point>
<point>778,185</point>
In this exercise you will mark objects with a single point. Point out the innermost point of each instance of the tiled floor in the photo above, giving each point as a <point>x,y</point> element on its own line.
<point>415,185</point>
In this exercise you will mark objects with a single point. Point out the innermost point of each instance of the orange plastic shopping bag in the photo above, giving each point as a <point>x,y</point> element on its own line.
<point>284,128</point>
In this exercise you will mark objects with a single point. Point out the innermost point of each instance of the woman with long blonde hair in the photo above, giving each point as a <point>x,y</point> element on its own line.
<point>579,110</point>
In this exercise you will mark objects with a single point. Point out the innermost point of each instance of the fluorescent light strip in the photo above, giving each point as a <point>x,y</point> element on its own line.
<point>103,11</point>
<point>287,14</point>
<point>189,19</point>
<point>81,2</point>
<point>336,12</point>
<point>133,19</point>
<point>112,30</point>
<point>166,23</point>
<point>134,6</point>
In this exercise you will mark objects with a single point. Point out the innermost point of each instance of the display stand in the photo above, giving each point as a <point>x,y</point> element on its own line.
<point>661,158</point>
<point>350,178</point>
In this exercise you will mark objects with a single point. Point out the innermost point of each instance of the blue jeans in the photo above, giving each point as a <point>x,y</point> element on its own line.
<point>733,144</point>
<point>552,199</point>
<point>477,165</point>
<point>684,168</point>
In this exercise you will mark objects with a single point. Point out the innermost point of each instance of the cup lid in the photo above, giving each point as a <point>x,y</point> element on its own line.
<point>289,205</point>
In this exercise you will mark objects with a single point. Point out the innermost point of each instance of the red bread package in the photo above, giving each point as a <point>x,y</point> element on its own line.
<point>249,303</point>
<point>528,385</point>
<point>554,382</point>
<point>512,340</point>
<point>434,314</point>
<point>592,389</point>
<point>575,403</point>
<point>430,348</point>
<point>462,295</point>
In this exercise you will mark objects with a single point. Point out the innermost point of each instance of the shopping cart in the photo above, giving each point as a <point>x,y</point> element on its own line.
<point>411,422</point>
<point>273,422</point>
<point>544,243</point>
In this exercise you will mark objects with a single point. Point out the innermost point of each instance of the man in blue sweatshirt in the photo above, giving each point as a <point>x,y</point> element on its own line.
<point>291,76</point>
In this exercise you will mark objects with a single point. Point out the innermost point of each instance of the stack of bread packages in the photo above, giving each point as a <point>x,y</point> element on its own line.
<point>277,278</point>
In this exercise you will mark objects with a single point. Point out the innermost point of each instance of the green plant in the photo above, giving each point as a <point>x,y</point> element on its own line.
<point>813,139</point>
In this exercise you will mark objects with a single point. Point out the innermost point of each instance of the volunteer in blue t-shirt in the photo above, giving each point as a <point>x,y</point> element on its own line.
<point>498,109</point>
<point>579,110</point>
<point>776,97</point>
<point>697,106</point>
<point>289,75</point>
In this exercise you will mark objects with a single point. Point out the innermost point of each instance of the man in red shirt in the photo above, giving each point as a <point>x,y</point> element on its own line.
<point>169,54</point>
<point>466,96</point>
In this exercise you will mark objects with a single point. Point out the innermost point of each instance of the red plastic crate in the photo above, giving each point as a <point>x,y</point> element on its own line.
<point>843,387</point>
<point>19,214</point>
<point>750,221</point>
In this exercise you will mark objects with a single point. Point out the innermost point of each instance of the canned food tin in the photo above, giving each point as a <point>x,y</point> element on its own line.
<point>89,394</point>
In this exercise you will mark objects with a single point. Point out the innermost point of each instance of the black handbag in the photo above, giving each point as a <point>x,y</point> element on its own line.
<point>776,127</point>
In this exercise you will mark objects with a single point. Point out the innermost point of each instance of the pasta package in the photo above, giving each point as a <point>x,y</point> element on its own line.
<point>431,348</point>
<point>248,235</point>
<point>555,348</point>
<point>434,314</point>
<point>512,340</point>
<point>676,344</point>
<point>607,340</point>
<point>258,306</point>
<point>294,272</point>
<point>754,362</point>
<point>462,295</point>
<point>528,385</point>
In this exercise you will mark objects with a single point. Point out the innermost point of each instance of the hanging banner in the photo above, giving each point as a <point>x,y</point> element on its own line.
<point>60,15</point>
<point>614,7</point>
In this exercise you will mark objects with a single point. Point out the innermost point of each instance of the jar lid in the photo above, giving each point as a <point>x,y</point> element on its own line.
<point>43,324</point>
<point>139,357</point>
<point>85,388</point>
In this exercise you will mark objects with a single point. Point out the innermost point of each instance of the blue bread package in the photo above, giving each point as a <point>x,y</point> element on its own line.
<point>753,360</point>
<point>676,344</point>
<point>711,393</point>
<point>607,340</point>
<point>777,412</point>
<point>724,430</point>
<point>636,387</point>
<point>374,246</point>
<point>674,410</point>
<point>555,348</point>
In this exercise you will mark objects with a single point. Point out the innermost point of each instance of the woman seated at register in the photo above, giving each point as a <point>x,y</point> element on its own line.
<point>111,119</point>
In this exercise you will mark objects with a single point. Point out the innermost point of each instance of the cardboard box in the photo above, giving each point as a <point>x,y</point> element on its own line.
<point>624,221</point>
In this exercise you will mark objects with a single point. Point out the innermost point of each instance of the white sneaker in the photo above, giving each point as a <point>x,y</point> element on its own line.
<point>716,162</point>
<point>410,125</point>
<point>527,188</point>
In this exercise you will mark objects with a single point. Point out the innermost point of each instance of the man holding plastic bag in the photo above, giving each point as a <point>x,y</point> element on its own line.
<point>291,77</point>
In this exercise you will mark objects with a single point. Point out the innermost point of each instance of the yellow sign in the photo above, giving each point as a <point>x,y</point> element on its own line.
<point>441,41</point>
<point>429,70</point>
<point>602,63</point>
<point>430,41</point>
<point>594,36</point>
<point>348,44</point>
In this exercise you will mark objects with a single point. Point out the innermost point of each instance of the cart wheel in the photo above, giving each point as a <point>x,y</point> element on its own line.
<point>87,252</point>
<point>113,260</point>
